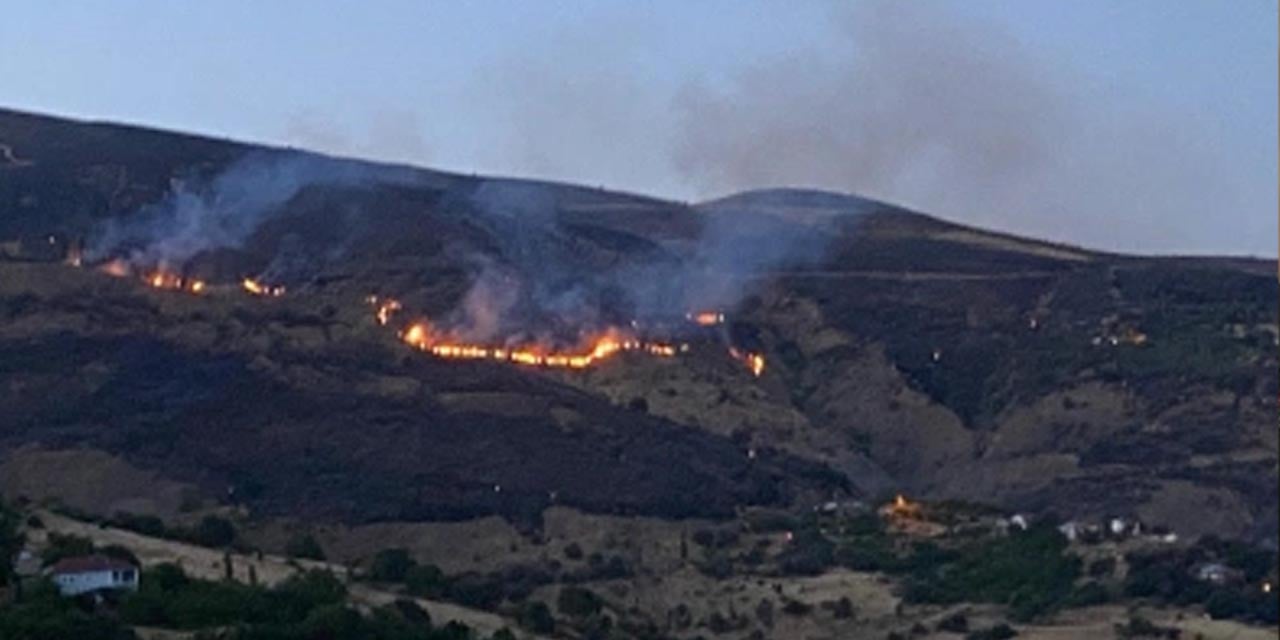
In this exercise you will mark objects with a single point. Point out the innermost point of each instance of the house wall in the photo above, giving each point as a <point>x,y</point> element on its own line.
<point>70,584</point>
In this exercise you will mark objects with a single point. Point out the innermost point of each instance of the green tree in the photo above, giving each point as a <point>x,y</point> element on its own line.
<point>213,531</point>
<point>304,545</point>
<point>578,602</point>
<point>536,616</point>
<point>391,565</point>
<point>425,581</point>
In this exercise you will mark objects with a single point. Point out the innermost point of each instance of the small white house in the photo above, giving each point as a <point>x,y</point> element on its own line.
<point>85,574</point>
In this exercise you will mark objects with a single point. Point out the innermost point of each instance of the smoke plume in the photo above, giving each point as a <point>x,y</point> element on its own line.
<point>202,214</point>
<point>954,117</point>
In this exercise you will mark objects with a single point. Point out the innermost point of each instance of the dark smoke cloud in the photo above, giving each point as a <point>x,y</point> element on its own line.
<point>956,118</point>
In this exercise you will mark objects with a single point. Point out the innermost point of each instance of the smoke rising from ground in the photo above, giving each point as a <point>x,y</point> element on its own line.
<point>202,214</point>
<point>548,280</point>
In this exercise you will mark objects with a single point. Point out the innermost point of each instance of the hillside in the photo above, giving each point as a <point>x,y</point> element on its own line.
<point>904,352</point>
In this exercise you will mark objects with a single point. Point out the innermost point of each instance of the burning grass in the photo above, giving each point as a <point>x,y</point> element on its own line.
<point>422,336</point>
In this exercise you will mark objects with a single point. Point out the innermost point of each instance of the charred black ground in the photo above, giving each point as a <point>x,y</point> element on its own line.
<point>905,352</point>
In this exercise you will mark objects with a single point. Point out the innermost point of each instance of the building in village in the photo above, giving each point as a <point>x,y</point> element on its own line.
<point>93,573</point>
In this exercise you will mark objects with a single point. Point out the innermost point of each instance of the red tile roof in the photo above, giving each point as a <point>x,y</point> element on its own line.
<point>89,564</point>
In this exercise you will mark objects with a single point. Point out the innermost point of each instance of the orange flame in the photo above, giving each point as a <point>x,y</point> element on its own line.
<point>420,335</point>
<point>116,268</point>
<point>754,361</point>
<point>706,318</point>
<point>386,307</point>
<point>171,281</point>
<point>258,289</point>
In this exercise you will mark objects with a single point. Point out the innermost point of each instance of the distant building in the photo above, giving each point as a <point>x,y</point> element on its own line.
<point>86,574</point>
<point>1215,573</point>
<point>1071,530</point>
<point>27,564</point>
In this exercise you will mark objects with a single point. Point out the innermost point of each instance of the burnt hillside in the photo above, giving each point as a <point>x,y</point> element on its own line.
<point>903,351</point>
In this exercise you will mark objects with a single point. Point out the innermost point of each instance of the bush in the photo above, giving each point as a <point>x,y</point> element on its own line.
<point>65,546</point>
<point>1226,603</point>
<point>955,623</point>
<point>842,609</point>
<point>536,617</point>
<point>213,531</point>
<point>578,602</point>
<point>1139,627</point>
<point>120,553</point>
<point>809,553</point>
<point>476,590</point>
<point>1001,631</point>
<point>44,615</point>
<point>10,542</point>
<point>425,581</point>
<point>391,565</point>
<point>1102,567</point>
<point>1029,571</point>
<point>304,546</point>
<point>146,525</point>
<point>1088,594</point>
<point>770,521</point>
<point>795,607</point>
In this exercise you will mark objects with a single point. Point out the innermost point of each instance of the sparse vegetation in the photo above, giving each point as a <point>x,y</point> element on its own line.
<point>1029,571</point>
<point>578,602</point>
<point>304,545</point>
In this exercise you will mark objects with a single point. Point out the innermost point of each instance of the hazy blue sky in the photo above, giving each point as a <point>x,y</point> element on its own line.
<point>1132,125</point>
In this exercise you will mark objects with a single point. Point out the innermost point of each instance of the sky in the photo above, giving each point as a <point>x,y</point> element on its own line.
<point>1141,126</point>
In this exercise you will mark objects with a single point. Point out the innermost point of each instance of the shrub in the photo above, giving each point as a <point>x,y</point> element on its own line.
<point>476,590</point>
<point>536,616</point>
<point>795,607</point>
<point>1028,571</point>
<point>391,565</point>
<point>305,546</point>
<point>1226,603</point>
<point>1102,567</point>
<point>146,525</point>
<point>842,609</point>
<point>213,531</point>
<point>1088,594</point>
<point>120,553</point>
<point>955,623</point>
<point>1001,631</point>
<point>1139,627</point>
<point>65,546</point>
<point>44,615</point>
<point>809,553</point>
<point>425,581</point>
<point>578,602</point>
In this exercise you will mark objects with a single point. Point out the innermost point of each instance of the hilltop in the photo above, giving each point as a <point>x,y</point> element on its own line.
<point>904,352</point>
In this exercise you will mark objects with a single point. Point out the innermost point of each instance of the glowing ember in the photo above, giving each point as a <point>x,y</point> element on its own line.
<point>116,268</point>
<point>259,289</point>
<point>421,336</point>
<point>386,307</point>
<point>706,318</point>
<point>754,361</point>
<point>173,282</point>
